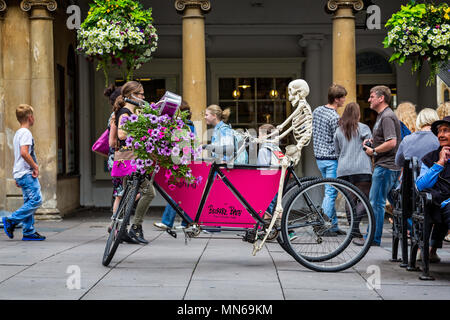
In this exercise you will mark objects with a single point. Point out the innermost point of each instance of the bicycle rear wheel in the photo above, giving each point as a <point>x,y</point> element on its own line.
<point>314,243</point>
<point>291,187</point>
<point>121,220</point>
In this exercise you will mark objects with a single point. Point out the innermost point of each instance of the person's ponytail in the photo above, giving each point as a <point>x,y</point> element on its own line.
<point>119,103</point>
<point>226,115</point>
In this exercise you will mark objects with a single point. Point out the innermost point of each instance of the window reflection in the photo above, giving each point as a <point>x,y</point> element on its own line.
<point>255,101</point>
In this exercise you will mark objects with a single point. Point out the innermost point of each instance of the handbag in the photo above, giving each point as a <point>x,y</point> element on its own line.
<point>101,146</point>
<point>123,163</point>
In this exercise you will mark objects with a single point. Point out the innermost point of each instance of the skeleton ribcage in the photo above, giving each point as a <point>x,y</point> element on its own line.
<point>302,125</point>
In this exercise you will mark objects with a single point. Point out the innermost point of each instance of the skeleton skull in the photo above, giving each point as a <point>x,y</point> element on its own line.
<point>298,90</point>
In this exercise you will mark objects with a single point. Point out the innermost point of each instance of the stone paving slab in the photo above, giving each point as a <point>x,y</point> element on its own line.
<point>326,294</point>
<point>218,266</point>
<point>234,290</point>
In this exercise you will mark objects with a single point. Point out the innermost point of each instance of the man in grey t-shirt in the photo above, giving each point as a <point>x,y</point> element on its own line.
<point>386,139</point>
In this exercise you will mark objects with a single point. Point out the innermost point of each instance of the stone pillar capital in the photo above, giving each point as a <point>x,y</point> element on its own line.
<point>311,40</point>
<point>27,5</point>
<point>335,5</point>
<point>203,5</point>
<point>2,8</point>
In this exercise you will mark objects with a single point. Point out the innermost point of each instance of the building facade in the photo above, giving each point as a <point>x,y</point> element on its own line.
<point>238,54</point>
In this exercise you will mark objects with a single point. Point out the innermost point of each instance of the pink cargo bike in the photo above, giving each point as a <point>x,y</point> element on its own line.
<point>235,200</point>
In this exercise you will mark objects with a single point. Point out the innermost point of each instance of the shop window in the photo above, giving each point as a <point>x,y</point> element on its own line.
<point>255,101</point>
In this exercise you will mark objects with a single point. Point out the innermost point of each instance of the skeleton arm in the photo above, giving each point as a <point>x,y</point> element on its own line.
<point>275,134</point>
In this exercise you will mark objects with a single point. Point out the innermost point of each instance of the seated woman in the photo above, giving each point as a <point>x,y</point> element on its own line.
<point>435,178</point>
<point>421,142</point>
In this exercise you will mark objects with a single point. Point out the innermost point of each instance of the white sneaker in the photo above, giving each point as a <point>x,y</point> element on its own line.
<point>160,225</point>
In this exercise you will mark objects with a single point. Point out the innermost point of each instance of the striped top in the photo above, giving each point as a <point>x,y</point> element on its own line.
<point>352,159</point>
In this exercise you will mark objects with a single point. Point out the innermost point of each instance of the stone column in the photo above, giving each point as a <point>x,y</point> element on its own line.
<point>313,71</point>
<point>2,118</point>
<point>313,44</point>
<point>43,100</point>
<point>15,53</point>
<point>344,48</point>
<point>194,58</point>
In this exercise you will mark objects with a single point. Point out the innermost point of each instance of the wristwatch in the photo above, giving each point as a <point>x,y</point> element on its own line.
<point>374,152</point>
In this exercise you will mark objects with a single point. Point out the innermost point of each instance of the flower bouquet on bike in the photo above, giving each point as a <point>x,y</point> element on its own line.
<point>161,142</point>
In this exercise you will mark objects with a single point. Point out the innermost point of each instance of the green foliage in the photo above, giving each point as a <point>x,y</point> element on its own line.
<point>118,33</point>
<point>420,33</point>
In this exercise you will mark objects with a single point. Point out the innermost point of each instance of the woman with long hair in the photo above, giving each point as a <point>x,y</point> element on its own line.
<point>222,140</point>
<point>132,94</point>
<point>406,114</point>
<point>354,165</point>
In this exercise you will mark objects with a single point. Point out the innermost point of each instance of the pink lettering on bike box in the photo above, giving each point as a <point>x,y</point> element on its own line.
<point>222,208</point>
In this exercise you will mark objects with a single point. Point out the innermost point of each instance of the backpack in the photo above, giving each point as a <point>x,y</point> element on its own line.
<point>242,158</point>
<point>276,154</point>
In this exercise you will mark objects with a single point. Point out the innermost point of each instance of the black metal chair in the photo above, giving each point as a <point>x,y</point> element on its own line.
<point>402,210</point>
<point>421,227</point>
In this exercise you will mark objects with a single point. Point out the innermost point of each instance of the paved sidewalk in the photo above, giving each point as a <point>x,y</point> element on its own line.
<point>211,267</point>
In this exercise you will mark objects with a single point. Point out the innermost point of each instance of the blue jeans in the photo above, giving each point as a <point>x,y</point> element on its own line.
<point>169,216</point>
<point>328,169</point>
<point>383,180</point>
<point>272,205</point>
<point>32,200</point>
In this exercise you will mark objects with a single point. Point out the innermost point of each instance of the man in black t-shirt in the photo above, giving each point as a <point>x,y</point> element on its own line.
<point>386,139</point>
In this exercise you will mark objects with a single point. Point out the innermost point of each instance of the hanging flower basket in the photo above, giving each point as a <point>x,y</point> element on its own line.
<point>118,33</point>
<point>161,142</point>
<point>420,33</point>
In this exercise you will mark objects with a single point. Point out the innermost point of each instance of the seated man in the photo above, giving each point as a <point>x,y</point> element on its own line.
<point>435,179</point>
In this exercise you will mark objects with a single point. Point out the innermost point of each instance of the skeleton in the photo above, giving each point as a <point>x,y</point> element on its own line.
<point>302,130</point>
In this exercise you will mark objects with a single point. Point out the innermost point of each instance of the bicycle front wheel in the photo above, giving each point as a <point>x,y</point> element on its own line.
<point>120,221</point>
<point>320,221</point>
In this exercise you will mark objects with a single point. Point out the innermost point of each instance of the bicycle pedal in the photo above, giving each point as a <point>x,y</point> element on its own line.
<point>172,233</point>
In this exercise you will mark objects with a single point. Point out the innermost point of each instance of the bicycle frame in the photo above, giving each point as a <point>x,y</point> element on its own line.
<point>220,172</point>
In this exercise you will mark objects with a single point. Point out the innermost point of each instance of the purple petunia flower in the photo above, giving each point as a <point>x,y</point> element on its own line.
<point>137,145</point>
<point>134,118</point>
<point>129,141</point>
<point>184,160</point>
<point>157,168</point>
<point>124,119</point>
<point>153,119</point>
<point>148,162</point>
